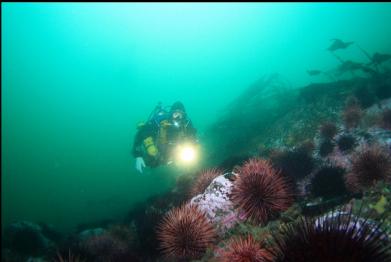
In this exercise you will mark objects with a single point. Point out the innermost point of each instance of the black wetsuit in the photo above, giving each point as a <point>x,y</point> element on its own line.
<point>174,135</point>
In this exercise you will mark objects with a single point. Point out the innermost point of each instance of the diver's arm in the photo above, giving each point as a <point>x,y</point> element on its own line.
<point>148,130</point>
<point>137,144</point>
<point>142,133</point>
<point>137,151</point>
<point>191,131</point>
<point>140,164</point>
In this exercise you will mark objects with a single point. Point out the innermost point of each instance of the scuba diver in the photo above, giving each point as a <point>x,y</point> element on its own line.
<point>157,140</point>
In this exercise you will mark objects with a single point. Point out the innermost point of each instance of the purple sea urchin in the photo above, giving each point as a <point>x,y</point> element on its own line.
<point>346,143</point>
<point>328,182</point>
<point>335,237</point>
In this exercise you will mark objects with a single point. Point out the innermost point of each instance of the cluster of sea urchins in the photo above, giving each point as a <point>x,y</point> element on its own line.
<point>241,249</point>
<point>337,236</point>
<point>185,233</point>
<point>260,192</point>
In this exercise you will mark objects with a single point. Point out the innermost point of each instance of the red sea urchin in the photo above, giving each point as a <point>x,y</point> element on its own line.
<point>204,180</point>
<point>185,233</point>
<point>328,130</point>
<point>244,250</point>
<point>352,116</point>
<point>260,191</point>
<point>294,164</point>
<point>337,237</point>
<point>368,166</point>
<point>256,165</point>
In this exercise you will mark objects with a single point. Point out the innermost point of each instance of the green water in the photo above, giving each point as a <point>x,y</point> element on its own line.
<point>78,77</point>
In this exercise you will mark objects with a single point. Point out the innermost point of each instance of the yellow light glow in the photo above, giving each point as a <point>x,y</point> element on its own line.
<point>186,154</point>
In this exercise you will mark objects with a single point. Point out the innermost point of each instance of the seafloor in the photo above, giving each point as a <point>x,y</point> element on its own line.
<point>287,171</point>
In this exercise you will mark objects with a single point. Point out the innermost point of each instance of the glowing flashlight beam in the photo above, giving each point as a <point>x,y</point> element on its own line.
<point>187,154</point>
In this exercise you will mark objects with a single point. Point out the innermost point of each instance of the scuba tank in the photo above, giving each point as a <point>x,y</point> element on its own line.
<point>150,146</point>
<point>157,117</point>
<point>160,118</point>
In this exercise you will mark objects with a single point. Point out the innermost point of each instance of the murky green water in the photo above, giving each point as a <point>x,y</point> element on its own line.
<point>77,78</point>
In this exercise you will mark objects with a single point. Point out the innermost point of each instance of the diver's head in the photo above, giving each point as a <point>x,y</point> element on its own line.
<point>178,106</point>
<point>178,112</point>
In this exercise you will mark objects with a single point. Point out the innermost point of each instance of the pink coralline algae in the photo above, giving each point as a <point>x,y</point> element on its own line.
<point>217,206</point>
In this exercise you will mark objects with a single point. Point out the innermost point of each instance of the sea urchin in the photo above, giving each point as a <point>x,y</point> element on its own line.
<point>328,130</point>
<point>338,237</point>
<point>240,249</point>
<point>260,191</point>
<point>203,180</point>
<point>185,233</point>
<point>368,166</point>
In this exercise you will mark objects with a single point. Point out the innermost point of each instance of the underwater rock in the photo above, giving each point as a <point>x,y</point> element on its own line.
<point>104,247</point>
<point>216,204</point>
<point>27,238</point>
<point>386,119</point>
<point>326,147</point>
<point>318,205</point>
<point>379,107</point>
<point>115,243</point>
<point>91,232</point>
<point>382,136</point>
<point>51,232</point>
<point>36,259</point>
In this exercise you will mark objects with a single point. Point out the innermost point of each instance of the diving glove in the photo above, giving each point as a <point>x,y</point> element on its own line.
<point>140,164</point>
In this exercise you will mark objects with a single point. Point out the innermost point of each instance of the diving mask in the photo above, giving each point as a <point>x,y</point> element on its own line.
<point>177,115</point>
